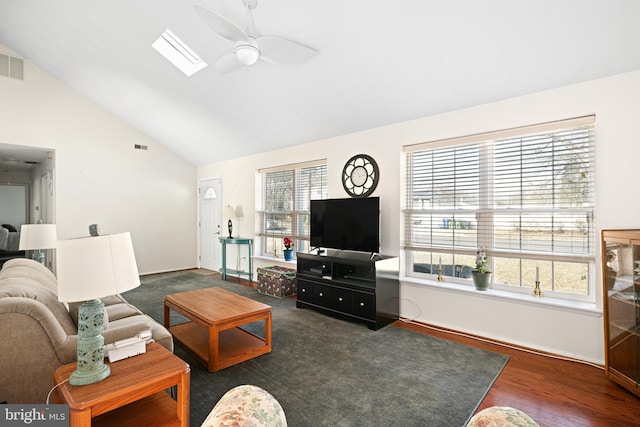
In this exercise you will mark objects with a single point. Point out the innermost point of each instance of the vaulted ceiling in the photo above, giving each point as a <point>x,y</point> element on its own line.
<point>378,62</point>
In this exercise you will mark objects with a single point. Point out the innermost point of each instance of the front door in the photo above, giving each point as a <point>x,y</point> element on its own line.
<point>210,214</point>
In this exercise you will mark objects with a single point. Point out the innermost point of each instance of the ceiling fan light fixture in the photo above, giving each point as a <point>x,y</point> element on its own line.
<point>247,54</point>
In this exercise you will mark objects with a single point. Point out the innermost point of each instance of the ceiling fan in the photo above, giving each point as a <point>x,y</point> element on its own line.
<point>250,47</point>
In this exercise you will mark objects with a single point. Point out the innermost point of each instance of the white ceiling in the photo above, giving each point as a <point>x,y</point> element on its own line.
<point>379,62</point>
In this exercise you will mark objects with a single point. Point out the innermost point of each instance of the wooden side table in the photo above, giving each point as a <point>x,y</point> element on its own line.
<point>133,395</point>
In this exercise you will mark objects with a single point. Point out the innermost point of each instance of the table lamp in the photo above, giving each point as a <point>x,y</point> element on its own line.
<point>90,268</point>
<point>37,237</point>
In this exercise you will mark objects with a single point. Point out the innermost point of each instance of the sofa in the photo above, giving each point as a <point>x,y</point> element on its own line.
<point>9,243</point>
<point>39,333</point>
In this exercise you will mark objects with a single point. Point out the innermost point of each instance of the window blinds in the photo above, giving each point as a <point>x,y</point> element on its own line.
<point>526,193</point>
<point>286,192</point>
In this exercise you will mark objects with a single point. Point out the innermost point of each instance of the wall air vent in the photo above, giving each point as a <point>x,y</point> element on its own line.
<point>178,53</point>
<point>11,67</point>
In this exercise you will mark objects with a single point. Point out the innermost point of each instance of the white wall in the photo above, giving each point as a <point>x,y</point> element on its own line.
<point>99,176</point>
<point>101,179</point>
<point>616,103</point>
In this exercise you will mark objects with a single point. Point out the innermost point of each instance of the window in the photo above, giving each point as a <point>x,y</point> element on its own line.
<point>284,204</point>
<point>525,195</point>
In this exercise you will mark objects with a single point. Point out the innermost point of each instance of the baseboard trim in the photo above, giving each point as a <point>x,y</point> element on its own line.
<point>500,343</point>
<point>217,275</point>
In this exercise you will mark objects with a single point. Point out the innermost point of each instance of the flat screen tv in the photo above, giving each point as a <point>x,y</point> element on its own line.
<point>346,224</point>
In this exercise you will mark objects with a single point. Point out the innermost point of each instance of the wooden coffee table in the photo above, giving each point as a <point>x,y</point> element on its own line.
<point>213,336</point>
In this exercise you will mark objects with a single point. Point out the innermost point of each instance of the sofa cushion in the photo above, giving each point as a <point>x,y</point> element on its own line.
<point>121,310</point>
<point>23,267</point>
<point>30,288</point>
<point>113,299</point>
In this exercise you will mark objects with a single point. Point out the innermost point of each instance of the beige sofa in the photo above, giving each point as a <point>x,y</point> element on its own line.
<point>39,333</point>
<point>9,244</point>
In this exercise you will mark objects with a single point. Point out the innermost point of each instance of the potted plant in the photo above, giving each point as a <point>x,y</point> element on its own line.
<point>481,276</point>
<point>288,252</point>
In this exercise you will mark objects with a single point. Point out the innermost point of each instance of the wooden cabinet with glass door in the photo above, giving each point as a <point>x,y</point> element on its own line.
<point>621,295</point>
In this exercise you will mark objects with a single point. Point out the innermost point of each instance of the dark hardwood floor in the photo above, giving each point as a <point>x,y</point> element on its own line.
<point>553,392</point>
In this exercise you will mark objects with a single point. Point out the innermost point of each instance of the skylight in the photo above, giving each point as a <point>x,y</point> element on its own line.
<point>178,53</point>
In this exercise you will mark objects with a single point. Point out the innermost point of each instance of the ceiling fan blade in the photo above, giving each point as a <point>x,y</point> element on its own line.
<point>228,63</point>
<point>275,49</point>
<point>221,25</point>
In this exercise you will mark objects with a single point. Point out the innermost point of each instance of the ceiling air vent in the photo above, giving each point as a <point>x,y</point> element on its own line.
<point>178,53</point>
<point>11,67</point>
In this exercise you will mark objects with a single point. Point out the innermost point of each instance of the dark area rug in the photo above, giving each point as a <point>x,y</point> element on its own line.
<point>331,372</point>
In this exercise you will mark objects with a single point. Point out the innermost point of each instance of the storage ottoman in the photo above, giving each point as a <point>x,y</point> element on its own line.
<point>277,281</point>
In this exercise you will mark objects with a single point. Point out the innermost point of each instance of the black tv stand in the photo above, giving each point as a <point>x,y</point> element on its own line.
<point>350,285</point>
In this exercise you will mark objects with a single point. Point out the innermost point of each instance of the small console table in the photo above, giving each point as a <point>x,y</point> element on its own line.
<point>236,241</point>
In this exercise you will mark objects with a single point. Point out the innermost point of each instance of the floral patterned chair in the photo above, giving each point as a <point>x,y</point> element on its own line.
<point>501,416</point>
<point>246,406</point>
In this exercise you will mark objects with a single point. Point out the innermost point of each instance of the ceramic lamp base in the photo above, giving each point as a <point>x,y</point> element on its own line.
<point>79,377</point>
<point>91,367</point>
<point>38,256</point>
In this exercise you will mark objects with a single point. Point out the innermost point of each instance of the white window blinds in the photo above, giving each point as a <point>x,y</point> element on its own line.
<point>285,195</point>
<point>522,193</point>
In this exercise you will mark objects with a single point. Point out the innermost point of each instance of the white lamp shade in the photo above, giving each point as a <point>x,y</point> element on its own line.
<point>96,267</point>
<point>37,236</point>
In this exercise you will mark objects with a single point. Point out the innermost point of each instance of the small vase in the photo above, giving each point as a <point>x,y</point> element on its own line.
<point>288,254</point>
<point>481,281</point>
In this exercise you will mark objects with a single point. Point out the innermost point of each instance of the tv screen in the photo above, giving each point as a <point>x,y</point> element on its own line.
<point>347,224</point>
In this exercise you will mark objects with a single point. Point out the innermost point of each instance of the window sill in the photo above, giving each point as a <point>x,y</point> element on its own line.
<point>585,308</point>
<point>274,259</point>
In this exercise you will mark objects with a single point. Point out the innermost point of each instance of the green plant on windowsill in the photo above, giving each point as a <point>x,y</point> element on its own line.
<point>481,275</point>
